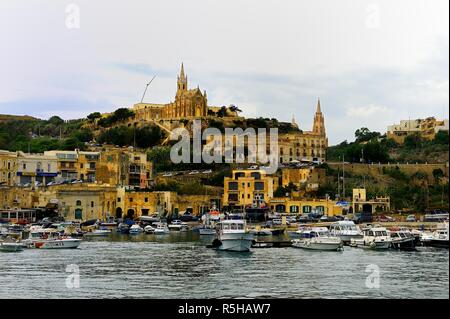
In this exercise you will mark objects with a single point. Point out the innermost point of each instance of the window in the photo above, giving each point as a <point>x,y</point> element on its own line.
<point>259,186</point>
<point>78,203</point>
<point>81,165</point>
<point>24,166</point>
<point>131,199</point>
<point>233,186</point>
<point>118,199</point>
<point>92,204</point>
<point>146,199</point>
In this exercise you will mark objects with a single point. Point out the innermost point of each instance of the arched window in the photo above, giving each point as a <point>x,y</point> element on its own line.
<point>78,203</point>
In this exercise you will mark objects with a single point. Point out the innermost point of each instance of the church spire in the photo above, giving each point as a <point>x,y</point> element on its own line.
<point>182,80</point>
<point>318,110</point>
<point>319,122</point>
<point>182,70</point>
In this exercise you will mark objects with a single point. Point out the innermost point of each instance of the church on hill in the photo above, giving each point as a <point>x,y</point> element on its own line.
<point>188,103</point>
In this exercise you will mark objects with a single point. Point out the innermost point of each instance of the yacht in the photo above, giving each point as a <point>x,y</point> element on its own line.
<point>345,230</point>
<point>136,229</point>
<point>402,239</point>
<point>161,229</point>
<point>317,238</point>
<point>233,236</point>
<point>373,238</point>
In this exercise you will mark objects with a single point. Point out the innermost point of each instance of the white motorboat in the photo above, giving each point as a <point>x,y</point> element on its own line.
<point>98,233</point>
<point>58,243</point>
<point>161,229</point>
<point>374,238</point>
<point>136,229</point>
<point>178,225</point>
<point>440,237</point>
<point>345,230</point>
<point>233,236</point>
<point>149,229</point>
<point>402,239</point>
<point>317,238</point>
<point>10,245</point>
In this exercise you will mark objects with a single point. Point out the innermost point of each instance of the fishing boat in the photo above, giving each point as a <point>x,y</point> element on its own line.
<point>373,238</point>
<point>402,239</point>
<point>345,230</point>
<point>261,231</point>
<point>136,229</point>
<point>317,238</point>
<point>210,221</point>
<point>233,236</point>
<point>161,229</point>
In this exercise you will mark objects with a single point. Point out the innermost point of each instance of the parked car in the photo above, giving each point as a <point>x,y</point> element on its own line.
<point>411,218</point>
<point>193,172</point>
<point>208,171</point>
<point>167,174</point>
<point>363,217</point>
<point>385,219</point>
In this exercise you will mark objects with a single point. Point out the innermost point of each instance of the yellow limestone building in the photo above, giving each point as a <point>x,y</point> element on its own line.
<point>188,103</point>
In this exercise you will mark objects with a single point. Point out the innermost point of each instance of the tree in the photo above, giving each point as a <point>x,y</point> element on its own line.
<point>441,137</point>
<point>55,120</point>
<point>94,115</point>
<point>364,134</point>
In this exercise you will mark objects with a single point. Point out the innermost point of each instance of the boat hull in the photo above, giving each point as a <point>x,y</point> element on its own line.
<point>375,245</point>
<point>240,242</point>
<point>439,243</point>
<point>11,247</point>
<point>206,231</point>
<point>58,244</point>
<point>318,245</point>
<point>404,244</point>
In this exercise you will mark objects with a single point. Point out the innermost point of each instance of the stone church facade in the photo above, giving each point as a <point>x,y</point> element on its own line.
<point>187,104</point>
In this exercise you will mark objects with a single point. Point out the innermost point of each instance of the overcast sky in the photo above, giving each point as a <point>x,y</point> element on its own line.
<point>371,63</point>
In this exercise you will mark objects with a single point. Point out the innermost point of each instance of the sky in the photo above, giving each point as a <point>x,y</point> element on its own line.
<point>372,63</point>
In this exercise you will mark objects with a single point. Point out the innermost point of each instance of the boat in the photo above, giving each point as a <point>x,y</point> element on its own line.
<point>123,228</point>
<point>402,239</point>
<point>58,243</point>
<point>161,229</point>
<point>345,230</point>
<point>317,238</point>
<point>440,237</point>
<point>178,225</point>
<point>98,232</point>
<point>373,238</point>
<point>261,232</point>
<point>149,229</point>
<point>11,245</point>
<point>233,236</point>
<point>136,229</point>
<point>210,221</point>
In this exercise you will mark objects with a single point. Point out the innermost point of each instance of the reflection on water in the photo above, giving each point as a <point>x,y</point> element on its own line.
<point>178,265</point>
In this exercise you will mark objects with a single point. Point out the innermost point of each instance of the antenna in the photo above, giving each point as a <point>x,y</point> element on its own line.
<point>145,91</point>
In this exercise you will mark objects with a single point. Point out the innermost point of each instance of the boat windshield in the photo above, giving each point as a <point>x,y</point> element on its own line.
<point>232,226</point>
<point>380,233</point>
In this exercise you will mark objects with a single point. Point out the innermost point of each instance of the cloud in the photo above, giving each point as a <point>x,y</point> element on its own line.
<point>270,59</point>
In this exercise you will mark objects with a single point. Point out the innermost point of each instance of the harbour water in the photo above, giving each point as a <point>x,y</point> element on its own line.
<point>179,265</point>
